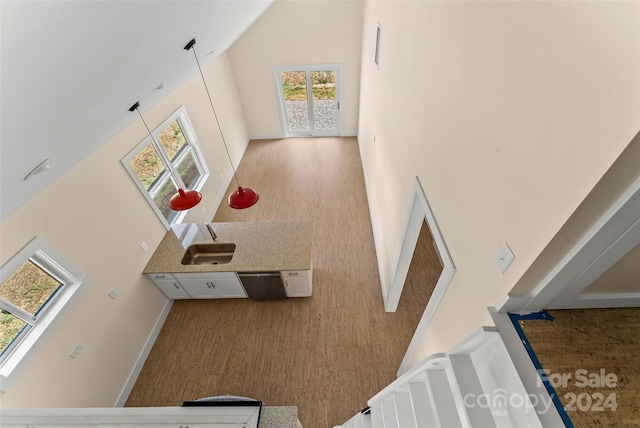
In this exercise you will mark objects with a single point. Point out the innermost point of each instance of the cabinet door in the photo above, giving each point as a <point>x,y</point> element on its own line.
<point>228,288</point>
<point>297,283</point>
<point>211,285</point>
<point>169,286</point>
<point>199,288</point>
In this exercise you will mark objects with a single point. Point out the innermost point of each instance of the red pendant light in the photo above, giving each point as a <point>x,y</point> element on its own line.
<point>243,197</point>
<point>183,200</point>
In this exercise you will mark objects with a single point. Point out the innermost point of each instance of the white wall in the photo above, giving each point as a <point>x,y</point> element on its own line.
<point>620,177</point>
<point>297,33</point>
<point>97,218</point>
<point>509,113</point>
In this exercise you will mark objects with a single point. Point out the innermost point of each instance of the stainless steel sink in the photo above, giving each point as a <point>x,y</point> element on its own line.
<point>214,253</point>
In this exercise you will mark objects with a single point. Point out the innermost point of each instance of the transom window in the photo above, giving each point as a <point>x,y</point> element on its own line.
<point>36,285</point>
<point>168,161</point>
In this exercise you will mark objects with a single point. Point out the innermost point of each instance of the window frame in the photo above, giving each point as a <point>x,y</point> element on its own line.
<point>308,69</point>
<point>170,166</point>
<point>26,344</point>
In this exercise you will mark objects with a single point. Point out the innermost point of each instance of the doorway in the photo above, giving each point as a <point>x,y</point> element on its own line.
<point>424,270</point>
<point>309,100</point>
<point>420,212</point>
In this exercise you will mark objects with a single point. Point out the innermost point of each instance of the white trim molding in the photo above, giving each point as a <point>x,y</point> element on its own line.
<point>615,234</point>
<point>602,300</point>
<point>349,134</point>
<point>419,211</point>
<point>267,136</point>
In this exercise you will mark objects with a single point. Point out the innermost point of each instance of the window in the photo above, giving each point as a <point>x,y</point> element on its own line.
<point>169,161</point>
<point>36,286</point>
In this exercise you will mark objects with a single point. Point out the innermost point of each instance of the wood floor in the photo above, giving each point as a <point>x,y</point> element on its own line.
<point>327,354</point>
<point>423,274</point>
<point>592,340</point>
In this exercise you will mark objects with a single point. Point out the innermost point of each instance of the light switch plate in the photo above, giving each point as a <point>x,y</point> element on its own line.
<point>144,246</point>
<point>504,258</point>
<point>113,293</point>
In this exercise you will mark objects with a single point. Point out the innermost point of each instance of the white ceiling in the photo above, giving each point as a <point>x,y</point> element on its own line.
<point>70,70</point>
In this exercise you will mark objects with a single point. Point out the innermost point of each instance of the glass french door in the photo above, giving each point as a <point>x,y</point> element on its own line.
<point>310,100</point>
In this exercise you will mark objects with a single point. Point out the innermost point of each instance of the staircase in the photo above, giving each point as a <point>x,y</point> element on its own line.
<point>476,384</point>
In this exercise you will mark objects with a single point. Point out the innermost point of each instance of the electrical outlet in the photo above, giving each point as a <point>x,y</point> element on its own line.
<point>113,294</point>
<point>76,350</point>
<point>144,246</point>
<point>504,258</point>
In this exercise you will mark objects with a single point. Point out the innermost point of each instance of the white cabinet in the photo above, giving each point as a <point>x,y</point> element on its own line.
<point>224,285</point>
<point>211,285</point>
<point>297,283</point>
<point>169,285</point>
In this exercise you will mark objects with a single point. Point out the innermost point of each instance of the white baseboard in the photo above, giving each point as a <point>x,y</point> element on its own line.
<point>267,137</point>
<point>135,372</point>
<point>281,136</point>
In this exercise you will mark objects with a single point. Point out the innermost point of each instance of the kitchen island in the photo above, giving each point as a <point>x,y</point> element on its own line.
<point>265,246</point>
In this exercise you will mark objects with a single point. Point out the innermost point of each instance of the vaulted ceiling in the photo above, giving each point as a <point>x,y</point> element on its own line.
<point>71,69</point>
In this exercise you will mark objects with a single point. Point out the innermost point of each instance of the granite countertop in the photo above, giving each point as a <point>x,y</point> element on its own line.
<point>279,417</point>
<point>260,246</point>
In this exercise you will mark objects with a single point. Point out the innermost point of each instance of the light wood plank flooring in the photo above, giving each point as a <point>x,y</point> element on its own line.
<point>327,354</point>
<point>592,339</point>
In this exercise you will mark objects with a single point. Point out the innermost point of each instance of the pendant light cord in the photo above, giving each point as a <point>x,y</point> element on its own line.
<point>145,123</point>
<point>162,155</point>
<point>214,113</point>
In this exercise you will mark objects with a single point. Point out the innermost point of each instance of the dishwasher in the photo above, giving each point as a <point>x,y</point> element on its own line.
<point>263,285</point>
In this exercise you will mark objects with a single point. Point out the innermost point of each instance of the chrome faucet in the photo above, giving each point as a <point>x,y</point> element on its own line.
<point>211,232</point>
